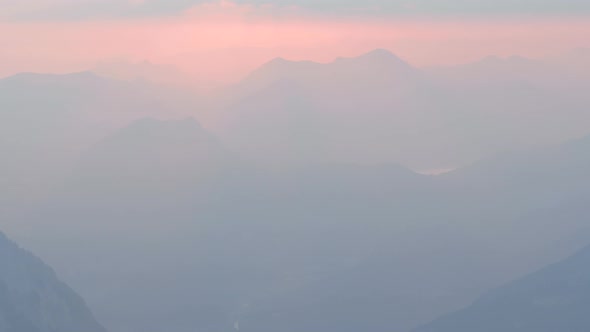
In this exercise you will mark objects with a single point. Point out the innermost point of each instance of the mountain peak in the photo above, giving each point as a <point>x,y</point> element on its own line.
<point>278,61</point>
<point>379,57</point>
<point>380,53</point>
<point>280,69</point>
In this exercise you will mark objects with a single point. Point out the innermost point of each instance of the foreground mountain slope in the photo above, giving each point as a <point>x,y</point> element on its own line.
<point>556,298</point>
<point>32,299</point>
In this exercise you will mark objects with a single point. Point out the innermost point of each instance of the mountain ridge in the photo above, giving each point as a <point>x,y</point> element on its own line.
<point>554,298</point>
<point>32,299</point>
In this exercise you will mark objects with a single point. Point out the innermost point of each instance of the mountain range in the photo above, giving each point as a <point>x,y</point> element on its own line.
<point>274,247</point>
<point>293,195</point>
<point>377,108</point>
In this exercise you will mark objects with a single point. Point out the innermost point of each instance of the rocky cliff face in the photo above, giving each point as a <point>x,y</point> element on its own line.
<point>32,299</point>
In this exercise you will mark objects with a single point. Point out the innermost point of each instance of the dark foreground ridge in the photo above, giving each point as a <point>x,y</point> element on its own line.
<point>32,299</point>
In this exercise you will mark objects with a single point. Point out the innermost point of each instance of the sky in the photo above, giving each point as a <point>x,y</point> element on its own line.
<point>84,9</point>
<point>224,40</point>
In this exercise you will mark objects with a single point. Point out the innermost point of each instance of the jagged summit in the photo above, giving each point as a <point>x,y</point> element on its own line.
<point>380,53</point>
<point>378,56</point>
<point>378,60</point>
<point>278,61</point>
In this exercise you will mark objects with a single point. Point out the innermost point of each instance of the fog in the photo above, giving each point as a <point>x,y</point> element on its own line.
<point>360,194</point>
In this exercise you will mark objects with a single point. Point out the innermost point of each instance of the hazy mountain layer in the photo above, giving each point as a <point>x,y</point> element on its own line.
<point>175,230</point>
<point>556,298</point>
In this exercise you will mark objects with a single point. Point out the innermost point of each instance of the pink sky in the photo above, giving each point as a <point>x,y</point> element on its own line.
<point>223,41</point>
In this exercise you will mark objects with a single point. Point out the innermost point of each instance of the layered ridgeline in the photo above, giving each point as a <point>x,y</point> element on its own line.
<point>334,247</point>
<point>556,298</point>
<point>49,119</point>
<point>319,245</point>
<point>376,108</point>
<point>32,299</point>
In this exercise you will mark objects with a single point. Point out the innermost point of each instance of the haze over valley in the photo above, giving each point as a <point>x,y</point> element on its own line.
<point>254,180</point>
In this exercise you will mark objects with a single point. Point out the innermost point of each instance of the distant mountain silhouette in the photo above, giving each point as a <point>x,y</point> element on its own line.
<point>378,65</point>
<point>336,237</point>
<point>556,298</point>
<point>151,155</point>
<point>48,119</point>
<point>363,241</point>
<point>378,59</point>
<point>559,169</point>
<point>377,108</point>
<point>32,299</point>
<point>494,72</point>
<point>344,111</point>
